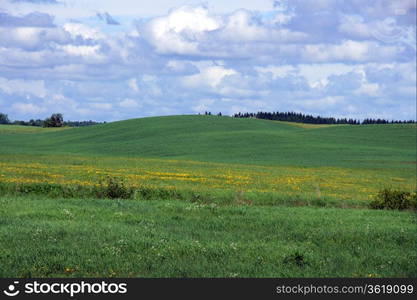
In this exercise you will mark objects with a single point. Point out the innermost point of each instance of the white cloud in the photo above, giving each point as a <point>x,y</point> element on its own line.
<point>133,84</point>
<point>83,31</point>
<point>203,105</point>
<point>193,30</point>
<point>277,71</point>
<point>179,30</point>
<point>208,77</point>
<point>101,106</point>
<point>349,50</point>
<point>90,53</point>
<point>370,89</point>
<point>23,87</point>
<point>243,26</point>
<point>32,38</point>
<point>129,103</point>
<point>323,103</point>
<point>323,58</point>
<point>355,26</point>
<point>283,18</point>
<point>27,108</point>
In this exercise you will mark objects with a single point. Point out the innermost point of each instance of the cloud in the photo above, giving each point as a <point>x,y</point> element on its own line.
<point>369,89</point>
<point>37,1</point>
<point>132,83</point>
<point>179,67</point>
<point>32,38</point>
<point>101,106</point>
<point>27,109</point>
<point>23,87</point>
<point>344,58</point>
<point>79,30</point>
<point>323,104</point>
<point>129,103</point>
<point>355,26</point>
<point>106,17</point>
<point>180,30</point>
<point>245,26</point>
<point>89,53</point>
<point>208,77</point>
<point>192,30</point>
<point>349,50</point>
<point>34,19</point>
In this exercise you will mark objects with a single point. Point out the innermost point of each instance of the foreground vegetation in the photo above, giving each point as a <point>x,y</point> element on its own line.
<point>261,185</point>
<point>118,238</point>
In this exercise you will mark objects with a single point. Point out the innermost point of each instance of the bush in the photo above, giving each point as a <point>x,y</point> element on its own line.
<point>4,119</point>
<point>297,259</point>
<point>114,188</point>
<point>47,189</point>
<point>56,120</point>
<point>150,193</point>
<point>394,199</point>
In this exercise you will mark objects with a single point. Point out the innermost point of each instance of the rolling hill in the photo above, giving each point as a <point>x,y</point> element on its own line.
<point>225,139</point>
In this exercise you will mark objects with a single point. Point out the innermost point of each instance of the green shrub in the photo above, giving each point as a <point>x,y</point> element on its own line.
<point>46,189</point>
<point>394,199</point>
<point>40,188</point>
<point>296,258</point>
<point>114,188</point>
<point>149,193</point>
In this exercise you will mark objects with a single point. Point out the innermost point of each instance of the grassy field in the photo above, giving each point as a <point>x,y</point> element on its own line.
<point>236,197</point>
<point>228,140</point>
<point>125,238</point>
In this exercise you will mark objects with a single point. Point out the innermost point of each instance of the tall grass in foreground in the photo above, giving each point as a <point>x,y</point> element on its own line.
<point>115,188</point>
<point>45,237</point>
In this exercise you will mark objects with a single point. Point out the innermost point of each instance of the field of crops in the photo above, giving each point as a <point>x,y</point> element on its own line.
<point>238,182</point>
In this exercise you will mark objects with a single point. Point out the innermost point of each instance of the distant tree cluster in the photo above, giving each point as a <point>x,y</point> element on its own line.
<point>81,123</point>
<point>303,118</point>
<point>55,120</point>
<point>382,121</point>
<point>208,113</point>
<point>4,119</point>
<point>31,122</point>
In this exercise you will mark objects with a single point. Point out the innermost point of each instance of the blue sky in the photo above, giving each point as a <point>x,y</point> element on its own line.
<point>112,60</point>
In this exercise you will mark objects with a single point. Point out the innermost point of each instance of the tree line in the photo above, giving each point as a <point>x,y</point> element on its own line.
<point>304,118</point>
<point>55,120</point>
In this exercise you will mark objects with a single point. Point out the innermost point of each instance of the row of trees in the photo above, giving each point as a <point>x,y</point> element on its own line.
<point>208,113</point>
<point>303,118</point>
<point>55,120</point>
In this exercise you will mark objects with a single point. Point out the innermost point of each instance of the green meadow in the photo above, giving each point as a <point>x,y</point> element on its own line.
<point>208,197</point>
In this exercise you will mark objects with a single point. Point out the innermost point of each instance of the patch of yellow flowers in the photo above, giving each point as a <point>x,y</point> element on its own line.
<point>326,181</point>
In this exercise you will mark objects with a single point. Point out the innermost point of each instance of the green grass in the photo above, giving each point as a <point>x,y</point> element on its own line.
<point>214,197</point>
<point>266,160</point>
<point>229,140</point>
<point>42,237</point>
<point>19,129</point>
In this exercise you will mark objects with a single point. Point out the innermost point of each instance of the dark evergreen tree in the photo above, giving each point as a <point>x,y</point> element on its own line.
<point>4,119</point>
<point>303,118</point>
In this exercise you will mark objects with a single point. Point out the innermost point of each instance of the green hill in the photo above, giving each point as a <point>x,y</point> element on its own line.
<point>226,199</point>
<point>225,139</point>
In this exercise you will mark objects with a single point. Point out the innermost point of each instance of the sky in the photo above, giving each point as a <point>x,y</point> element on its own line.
<point>109,60</point>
